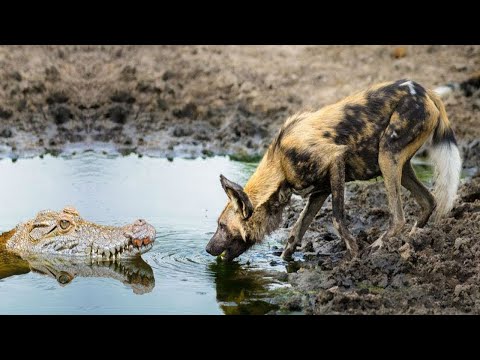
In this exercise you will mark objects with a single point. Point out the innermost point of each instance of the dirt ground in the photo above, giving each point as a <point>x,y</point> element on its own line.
<point>204,100</point>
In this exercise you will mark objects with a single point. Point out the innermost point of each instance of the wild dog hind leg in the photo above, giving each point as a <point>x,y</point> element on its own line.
<point>421,194</point>
<point>392,175</point>
<point>337,183</point>
<point>314,204</point>
<point>410,126</point>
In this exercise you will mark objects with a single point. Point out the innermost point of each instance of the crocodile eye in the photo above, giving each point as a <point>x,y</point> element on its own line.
<point>64,224</point>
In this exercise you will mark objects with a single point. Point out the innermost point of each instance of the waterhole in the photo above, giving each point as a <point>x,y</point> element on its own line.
<point>181,198</point>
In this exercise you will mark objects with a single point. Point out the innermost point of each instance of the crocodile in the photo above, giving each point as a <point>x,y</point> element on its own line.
<point>66,234</point>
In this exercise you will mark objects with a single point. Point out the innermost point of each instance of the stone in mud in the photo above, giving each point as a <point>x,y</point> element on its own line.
<point>461,242</point>
<point>324,296</point>
<point>167,75</point>
<point>406,251</point>
<point>15,75</point>
<point>52,74</point>
<point>57,97</point>
<point>122,97</point>
<point>5,113</point>
<point>459,289</point>
<point>61,114</point>
<point>294,303</point>
<point>21,105</point>
<point>162,104</point>
<point>128,73</point>
<point>189,111</point>
<point>181,131</point>
<point>118,114</point>
<point>6,133</point>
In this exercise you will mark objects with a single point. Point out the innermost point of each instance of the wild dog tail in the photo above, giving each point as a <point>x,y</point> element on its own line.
<point>446,158</point>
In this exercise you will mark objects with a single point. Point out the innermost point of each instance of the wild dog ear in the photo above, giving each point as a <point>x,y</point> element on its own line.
<point>239,198</point>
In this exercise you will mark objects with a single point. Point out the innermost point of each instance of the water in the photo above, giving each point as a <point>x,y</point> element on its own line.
<point>181,198</point>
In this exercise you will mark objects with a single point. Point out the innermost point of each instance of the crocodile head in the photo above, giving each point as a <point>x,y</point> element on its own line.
<point>65,233</point>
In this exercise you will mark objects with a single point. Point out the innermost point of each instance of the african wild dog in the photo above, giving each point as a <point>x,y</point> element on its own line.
<point>371,133</point>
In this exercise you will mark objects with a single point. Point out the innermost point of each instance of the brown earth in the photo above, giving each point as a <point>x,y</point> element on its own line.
<point>198,100</point>
<point>204,100</point>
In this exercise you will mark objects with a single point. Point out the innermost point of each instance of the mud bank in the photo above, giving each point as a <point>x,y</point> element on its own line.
<point>199,100</point>
<point>434,271</point>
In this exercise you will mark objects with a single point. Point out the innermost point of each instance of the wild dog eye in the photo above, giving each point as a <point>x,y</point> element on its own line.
<point>222,226</point>
<point>64,224</point>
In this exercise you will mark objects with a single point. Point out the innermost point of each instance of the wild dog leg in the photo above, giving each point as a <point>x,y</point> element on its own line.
<point>337,183</point>
<point>421,194</point>
<point>314,203</point>
<point>392,175</point>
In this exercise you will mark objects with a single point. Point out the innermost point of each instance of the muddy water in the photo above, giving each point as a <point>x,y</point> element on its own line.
<point>181,198</point>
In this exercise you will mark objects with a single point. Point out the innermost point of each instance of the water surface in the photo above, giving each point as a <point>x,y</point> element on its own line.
<point>181,198</point>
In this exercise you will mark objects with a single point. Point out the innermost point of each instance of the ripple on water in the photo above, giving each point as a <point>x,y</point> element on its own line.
<point>182,199</point>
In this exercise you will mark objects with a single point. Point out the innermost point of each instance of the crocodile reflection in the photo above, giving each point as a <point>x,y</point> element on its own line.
<point>241,291</point>
<point>134,272</point>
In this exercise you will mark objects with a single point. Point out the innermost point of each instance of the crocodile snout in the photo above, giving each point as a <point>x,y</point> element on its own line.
<point>141,233</point>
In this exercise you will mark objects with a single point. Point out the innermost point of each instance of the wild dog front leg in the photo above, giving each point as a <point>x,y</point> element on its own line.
<point>314,204</point>
<point>337,183</point>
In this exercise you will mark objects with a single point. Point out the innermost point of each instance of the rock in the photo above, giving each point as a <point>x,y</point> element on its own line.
<point>128,73</point>
<point>162,104</point>
<point>15,75</point>
<point>118,114</point>
<point>460,289</point>
<point>122,97</point>
<point>58,97</point>
<point>188,111</point>
<point>294,303</point>
<point>406,251</point>
<point>383,282</point>
<point>398,281</point>
<point>21,105</point>
<point>5,113</point>
<point>167,75</point>
<point>180,131</point>
<point>61,114</point>
<point>333,289</point>
<point>324,296</point>
<point>52,74</point>
<point>461,241</point>
<point>459,67</point>
<point>6,133</point>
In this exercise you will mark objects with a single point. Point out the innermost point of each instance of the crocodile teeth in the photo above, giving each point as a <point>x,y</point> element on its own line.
<point>106,253</point>
<point>130,247</point>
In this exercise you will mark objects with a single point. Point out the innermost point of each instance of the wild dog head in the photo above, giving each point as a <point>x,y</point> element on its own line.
<point>246,220</point>
<point>231,238</point>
